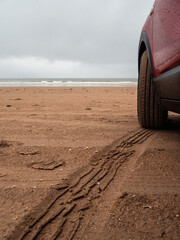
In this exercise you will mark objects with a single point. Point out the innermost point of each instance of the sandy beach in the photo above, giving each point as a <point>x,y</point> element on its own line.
<point>74,164</point>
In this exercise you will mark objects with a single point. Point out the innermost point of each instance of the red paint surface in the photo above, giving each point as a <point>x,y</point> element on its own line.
<point>163,29</point>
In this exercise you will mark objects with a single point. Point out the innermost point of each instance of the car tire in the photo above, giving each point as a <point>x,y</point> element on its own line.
<point>151,113</point>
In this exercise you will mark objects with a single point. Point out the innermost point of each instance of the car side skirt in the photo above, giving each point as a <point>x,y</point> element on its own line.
<point>171,105</point>
<point>168,88</point>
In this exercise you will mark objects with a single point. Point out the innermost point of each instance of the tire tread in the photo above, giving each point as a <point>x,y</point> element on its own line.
<point>151,113</point>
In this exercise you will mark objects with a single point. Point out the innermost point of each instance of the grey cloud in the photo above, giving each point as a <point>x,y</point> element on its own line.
<point>90,31</point>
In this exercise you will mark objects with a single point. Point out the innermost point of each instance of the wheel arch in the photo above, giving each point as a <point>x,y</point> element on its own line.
<point>144,45</point>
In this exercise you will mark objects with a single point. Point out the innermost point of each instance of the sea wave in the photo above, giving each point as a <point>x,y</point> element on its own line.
<point>65,83</point>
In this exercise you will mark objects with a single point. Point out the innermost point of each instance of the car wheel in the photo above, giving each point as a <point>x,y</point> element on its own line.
<point>151,113</point>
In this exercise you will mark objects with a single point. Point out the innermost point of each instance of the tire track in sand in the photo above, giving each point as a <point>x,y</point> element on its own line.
<point>62,218</point>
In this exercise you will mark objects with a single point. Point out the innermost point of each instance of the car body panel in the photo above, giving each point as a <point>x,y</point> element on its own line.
<point>162,28</point>
<point>160,37</point>
<point>166,35</point>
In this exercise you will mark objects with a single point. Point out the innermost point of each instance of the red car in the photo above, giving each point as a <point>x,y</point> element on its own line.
<point>159,65</point>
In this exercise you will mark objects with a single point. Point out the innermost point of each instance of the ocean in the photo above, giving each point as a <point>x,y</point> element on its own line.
<point>67,82</point>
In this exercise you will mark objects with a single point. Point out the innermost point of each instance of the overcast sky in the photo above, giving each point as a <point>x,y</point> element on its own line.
<point>70,38</point>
